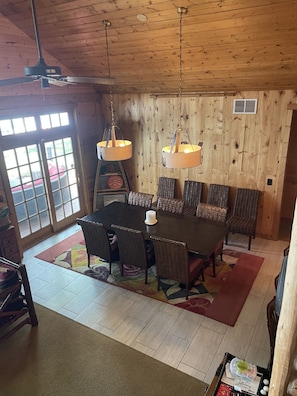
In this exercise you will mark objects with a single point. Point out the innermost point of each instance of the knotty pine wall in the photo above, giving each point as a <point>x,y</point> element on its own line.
<point>238,150</point>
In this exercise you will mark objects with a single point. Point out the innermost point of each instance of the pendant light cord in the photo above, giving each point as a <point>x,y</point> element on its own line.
<point>181,11</point>
<point>106,25</point>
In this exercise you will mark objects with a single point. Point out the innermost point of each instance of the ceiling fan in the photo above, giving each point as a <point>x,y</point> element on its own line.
<point>50,74</point>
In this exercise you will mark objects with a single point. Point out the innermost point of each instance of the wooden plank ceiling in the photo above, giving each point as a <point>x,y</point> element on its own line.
<point>228,45</point>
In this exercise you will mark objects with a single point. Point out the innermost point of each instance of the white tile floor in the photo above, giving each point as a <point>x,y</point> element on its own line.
<point>184,340</point>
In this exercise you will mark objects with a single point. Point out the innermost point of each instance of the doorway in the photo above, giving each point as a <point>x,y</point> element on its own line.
<point>42,174</point>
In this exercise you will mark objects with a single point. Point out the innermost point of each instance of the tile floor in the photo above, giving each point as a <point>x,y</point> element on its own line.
<point>184,340</point>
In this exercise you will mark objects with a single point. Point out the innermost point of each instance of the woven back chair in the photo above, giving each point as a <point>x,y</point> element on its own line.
<point>218,195</point>
<point>192,196</point>
<point>166,187</point>
<point>216,213</point>
<point>98,242</point>
<point>170,205</point>
<point>244,217</point>
<point>211,212</point>
<point>140,199</point>
<point>174,262</point>
<point>133,249</point>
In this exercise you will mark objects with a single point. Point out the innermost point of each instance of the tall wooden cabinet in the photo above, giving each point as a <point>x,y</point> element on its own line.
<point>111,184</point>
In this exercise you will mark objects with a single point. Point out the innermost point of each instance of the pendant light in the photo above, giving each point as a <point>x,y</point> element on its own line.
<point>181,155</point>
<point>112,149</point>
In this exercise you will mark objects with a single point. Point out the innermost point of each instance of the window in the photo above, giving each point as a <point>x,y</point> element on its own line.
<point>15,126</point>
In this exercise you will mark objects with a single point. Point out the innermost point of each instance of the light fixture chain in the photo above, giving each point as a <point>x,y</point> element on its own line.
<point>180,66</point>
<point>107,24</point>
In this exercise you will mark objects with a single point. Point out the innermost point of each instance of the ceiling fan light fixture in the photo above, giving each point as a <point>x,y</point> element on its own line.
<point>44,83</point>
<point>181,155</point>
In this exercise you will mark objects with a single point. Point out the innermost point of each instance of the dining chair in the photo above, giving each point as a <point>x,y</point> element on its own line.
<point>134,249</point>
<point>218,195</point>
<point>216,213</point>
<point>191,196</point>
<point>174,262</point>
<point>166,189</point>
<point>140,199</point>
<point>99,242</point>
<point>171,205</point>
<point>211,212</point>
<point>244,217</point>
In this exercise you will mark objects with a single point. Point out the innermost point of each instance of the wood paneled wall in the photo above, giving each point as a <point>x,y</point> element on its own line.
<point>239,150</point>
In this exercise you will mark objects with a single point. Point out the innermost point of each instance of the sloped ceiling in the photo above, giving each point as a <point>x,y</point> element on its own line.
<point>228,45</point>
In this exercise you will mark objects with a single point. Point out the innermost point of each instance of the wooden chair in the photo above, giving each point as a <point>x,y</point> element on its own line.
<point>192,196</point>
<point>244,217</point>
<point>174,262</point>
<point>99,242</point>
<point>218,195</point>
<point>133,249</point>
<point>16,304</point>
<point>170,205</point>
<point>140,199</point>
<point>215,213</point>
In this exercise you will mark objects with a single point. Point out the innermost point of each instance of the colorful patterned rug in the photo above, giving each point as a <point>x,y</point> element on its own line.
<point>220,298</point>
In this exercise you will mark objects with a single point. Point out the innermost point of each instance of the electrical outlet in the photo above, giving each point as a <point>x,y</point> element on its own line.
<point>269,182</point>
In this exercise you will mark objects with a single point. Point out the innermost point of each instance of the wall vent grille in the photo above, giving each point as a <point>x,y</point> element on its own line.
<point>245,106</point>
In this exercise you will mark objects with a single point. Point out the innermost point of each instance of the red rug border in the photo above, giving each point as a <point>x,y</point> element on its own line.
<point>225,298</point>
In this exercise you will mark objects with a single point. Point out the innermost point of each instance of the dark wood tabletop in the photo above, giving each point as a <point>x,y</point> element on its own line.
<point>200,235</point>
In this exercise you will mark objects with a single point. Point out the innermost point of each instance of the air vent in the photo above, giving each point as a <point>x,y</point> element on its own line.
<point>245,106</point>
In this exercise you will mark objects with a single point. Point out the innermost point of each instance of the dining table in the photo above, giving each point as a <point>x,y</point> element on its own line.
<point>200,235</point>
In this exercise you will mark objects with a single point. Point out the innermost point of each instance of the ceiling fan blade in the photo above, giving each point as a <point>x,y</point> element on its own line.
<point>58,82</point>
<point>90,80</point>
<point>17,80</point>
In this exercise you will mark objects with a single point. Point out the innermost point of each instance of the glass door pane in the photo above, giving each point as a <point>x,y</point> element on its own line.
<point>27,184</point>
<point>43,184</point>
<point>63,180</point>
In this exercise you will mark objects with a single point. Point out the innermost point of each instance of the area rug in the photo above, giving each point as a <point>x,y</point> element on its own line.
<point>220,298</point>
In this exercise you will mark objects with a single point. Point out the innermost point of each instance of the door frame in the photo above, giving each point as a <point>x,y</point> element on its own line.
<point>35,138</point>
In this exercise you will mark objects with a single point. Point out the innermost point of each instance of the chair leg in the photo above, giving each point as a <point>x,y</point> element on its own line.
<point>89,261</point>
<point>214,265</point>
<point>226,239</point>
<point>250,240</point>
<point>145,281</point>
<point>158,283</point>
<point>110,267</point>
<point>202,275</point>
<point>187,291</point>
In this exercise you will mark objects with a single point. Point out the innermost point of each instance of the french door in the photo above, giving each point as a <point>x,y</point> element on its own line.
<point>43,178</point>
